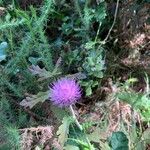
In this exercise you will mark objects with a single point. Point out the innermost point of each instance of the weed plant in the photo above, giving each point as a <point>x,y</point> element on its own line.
<point>40,44</point>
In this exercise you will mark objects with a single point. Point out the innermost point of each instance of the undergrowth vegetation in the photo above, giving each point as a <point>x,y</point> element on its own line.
<point>44,43</point>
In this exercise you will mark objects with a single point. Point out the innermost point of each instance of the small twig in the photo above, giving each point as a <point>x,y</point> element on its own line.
<point>98,31</point>
<point>37,128</point>
<point>143,46</point>
<point>115,17</point>
<point>147,91</point>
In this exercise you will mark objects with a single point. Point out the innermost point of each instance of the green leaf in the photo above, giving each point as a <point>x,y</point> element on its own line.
<point>88,15</point>
<point>94,63</point>
<point>95,136</point>
<point>3,46</point>
<point>100,13</point>
<point>34,60</point>
<point>88,91</point>
<point>63,130</point>
<point>90,45</point>
<point>13,136</point>
<point>140,145</point>
<point>146,135</point>
<point>43,73</point>
<point>78,138</point>
<point>83,145</point>
<point>129,97</point>
<point>34,99</point>
<point>138,101</point>
<point>119,141</point>
<point>104,146</point>
<point>59,113</point>
<point>71,147</point>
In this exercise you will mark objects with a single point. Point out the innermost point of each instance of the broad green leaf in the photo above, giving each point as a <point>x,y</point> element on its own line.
<point>3,46</point>
<point>34,99</point>
<point>119,141</point>
<point>63,131</point>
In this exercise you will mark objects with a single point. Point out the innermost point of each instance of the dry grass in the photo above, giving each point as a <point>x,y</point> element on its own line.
<point>36,136</point>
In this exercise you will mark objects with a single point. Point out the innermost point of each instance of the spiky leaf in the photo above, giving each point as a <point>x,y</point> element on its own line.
<point>63,130</point>
<point>34,99</point>
<point>101,12</point>
<point>119,141</point>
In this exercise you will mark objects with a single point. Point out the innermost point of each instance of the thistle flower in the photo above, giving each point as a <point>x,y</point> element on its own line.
<point>65,92</point>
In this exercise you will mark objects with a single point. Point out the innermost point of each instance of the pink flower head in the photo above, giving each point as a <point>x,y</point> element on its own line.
<point>65,92</point>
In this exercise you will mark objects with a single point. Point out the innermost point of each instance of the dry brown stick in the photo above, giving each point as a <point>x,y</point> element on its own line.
<point>115,17</point>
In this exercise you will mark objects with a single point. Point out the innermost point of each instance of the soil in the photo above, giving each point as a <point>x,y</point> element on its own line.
<point>133,33</point>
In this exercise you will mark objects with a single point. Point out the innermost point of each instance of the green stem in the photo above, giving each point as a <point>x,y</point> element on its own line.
<point>74,117</point>
<point>80,127</point>
<point>98,32</point>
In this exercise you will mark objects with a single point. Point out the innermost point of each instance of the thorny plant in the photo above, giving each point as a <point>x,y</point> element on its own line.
<point>62,42</point>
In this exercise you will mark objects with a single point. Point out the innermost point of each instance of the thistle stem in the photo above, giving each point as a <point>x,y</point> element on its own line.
<point>75,118</point>
<point>79,126</point>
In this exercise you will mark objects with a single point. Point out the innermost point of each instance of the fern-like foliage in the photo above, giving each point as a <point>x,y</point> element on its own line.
<point>9,134</point>
<point>24,31</point>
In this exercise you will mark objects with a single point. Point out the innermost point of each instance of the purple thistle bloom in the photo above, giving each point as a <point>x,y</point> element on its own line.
<point>65,92</point>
